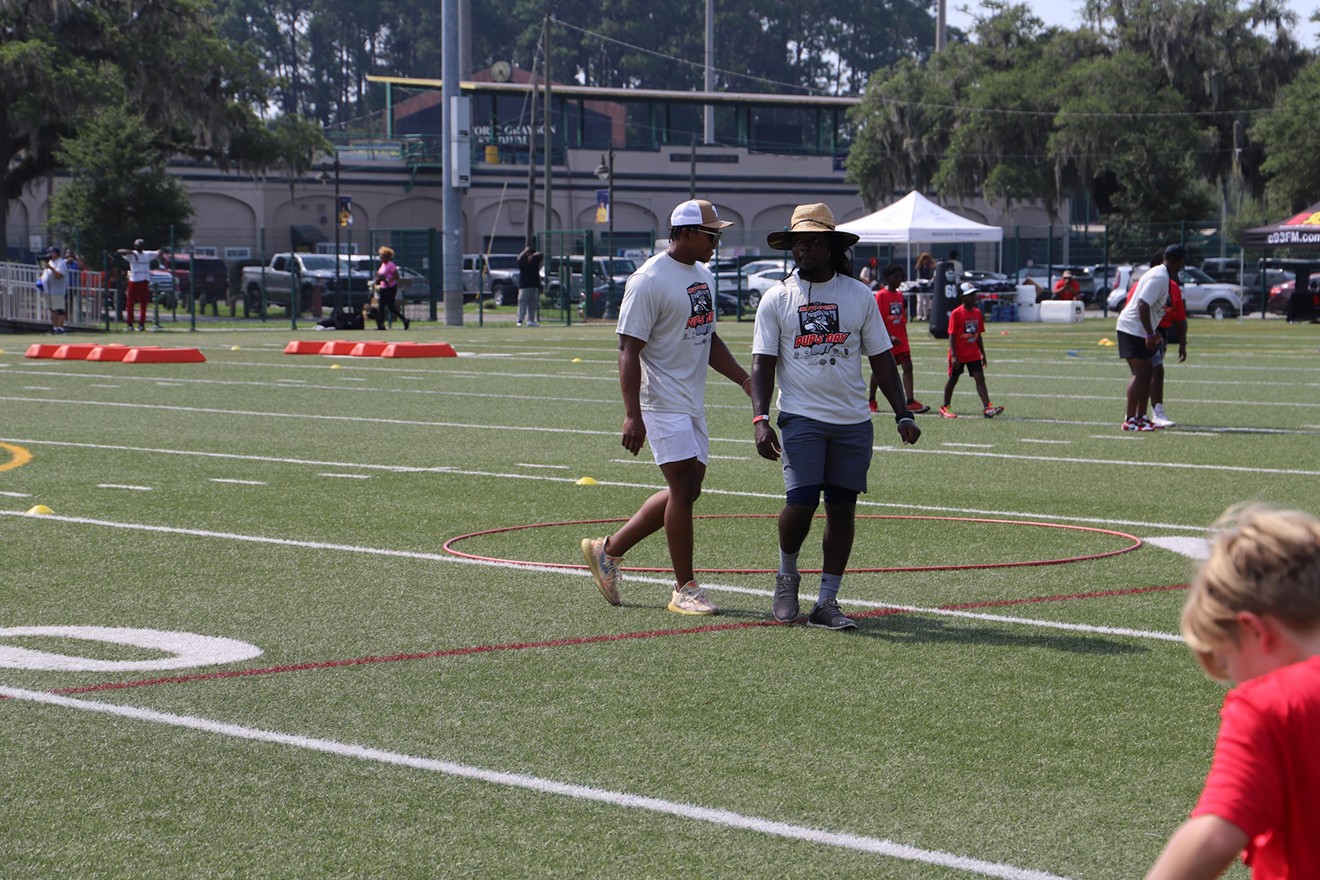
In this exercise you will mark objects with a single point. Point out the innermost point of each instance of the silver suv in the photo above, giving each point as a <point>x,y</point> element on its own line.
<point>494,274</point>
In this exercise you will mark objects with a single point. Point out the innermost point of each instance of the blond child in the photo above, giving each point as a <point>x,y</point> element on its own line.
<point>1252,617</point>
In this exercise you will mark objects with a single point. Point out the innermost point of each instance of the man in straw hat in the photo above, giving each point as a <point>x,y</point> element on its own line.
<point>667,340</point>
<point>813,331</point>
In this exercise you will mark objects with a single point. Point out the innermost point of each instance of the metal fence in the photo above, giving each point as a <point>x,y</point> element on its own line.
<point>22,304</point>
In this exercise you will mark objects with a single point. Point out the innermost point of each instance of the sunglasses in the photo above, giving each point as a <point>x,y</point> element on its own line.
<point>714,234</point>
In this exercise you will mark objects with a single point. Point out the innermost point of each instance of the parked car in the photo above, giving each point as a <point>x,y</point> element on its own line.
<point>758,283</point>
<point>336,283</point>
<point>496,275</point>
<point>412,284</point>
<point>207,277</point>
<point>608,281</point>
<point>1281,294</point>
<point>1201,293</point>
<point>1228,269</point>
<point>1205,295</point>
<point>988,281</point>
<point>756,267</point>
<point>729,285</point>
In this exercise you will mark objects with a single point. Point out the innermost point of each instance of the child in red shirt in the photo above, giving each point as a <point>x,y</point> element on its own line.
<point>1253,616</point>
<point>893,308</point>
<point>966,348</point>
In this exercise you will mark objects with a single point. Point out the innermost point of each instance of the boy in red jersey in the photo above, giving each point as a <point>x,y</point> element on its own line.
<point>893,308</point>
<point>1252,616</point>
<point>967,349</point>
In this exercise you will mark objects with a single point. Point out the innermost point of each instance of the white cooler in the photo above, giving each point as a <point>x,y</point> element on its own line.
<point>1062,311</point>
<point>1028,312</point>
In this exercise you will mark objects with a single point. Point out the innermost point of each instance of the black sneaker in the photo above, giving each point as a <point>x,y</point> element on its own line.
<point>785,604</point>
<point>828,616</point>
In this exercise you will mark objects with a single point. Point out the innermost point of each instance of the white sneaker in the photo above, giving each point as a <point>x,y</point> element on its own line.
<point>1161,420</point>
<point>691,600</point>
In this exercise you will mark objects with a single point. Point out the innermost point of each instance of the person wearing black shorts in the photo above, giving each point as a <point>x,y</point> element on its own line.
<point>1138,338</point>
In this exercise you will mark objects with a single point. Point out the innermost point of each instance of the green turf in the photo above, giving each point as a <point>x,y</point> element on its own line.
<point>1069,751</point>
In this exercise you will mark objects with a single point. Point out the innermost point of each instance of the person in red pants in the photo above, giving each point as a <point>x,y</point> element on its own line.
<point>139,281</point>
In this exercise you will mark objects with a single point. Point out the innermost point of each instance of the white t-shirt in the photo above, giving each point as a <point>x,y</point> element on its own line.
<point>139,264</point>
<point>821,333</point>
<point>1153,290</point>
<point>671,307</point>
<point>57,285</point>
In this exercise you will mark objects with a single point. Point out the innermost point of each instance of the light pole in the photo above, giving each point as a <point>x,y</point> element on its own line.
<point>605,172</point>
<point>339,221</point>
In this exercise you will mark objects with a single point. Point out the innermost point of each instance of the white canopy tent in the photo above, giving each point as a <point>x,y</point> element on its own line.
<point>915,219</point>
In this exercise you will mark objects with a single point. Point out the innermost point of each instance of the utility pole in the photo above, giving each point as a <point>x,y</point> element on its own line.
<point>531,164</point>
<point>452,241</point>
<point>547,120</point>
<point>709,127</point>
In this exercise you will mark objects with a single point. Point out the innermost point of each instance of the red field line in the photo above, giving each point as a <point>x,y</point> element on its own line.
<point>580,640</point>
<point>449,546</point>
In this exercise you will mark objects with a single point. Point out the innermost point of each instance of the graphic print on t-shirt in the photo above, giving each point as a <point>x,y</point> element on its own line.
<point>819,323</point>
<point>895,312</point>
<point>702,319</point>
<point>970,329</point>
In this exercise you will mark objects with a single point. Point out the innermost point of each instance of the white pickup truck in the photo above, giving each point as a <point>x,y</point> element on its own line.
<point>313,274</point>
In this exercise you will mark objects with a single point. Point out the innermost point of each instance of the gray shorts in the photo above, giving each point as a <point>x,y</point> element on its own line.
<point>817,453</point>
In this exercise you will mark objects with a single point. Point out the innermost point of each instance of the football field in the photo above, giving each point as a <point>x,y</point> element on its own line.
<point>280,615</point>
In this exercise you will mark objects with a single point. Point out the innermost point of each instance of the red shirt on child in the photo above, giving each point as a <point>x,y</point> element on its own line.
<point>966,325</point>
<point>893,308</point>
<point>1265,776</point>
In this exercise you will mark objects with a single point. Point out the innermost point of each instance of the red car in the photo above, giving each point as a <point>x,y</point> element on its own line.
<point>1281,296</point>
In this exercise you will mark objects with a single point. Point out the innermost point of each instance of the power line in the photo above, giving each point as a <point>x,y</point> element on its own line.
<point>675,58</point>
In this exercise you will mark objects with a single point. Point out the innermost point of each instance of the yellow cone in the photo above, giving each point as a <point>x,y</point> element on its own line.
<point>41,510</point>
<point>577,360</point>
<point>335,367</point>
<point>587,481</point>
<point>233,348</point>
<point>1105,341</point>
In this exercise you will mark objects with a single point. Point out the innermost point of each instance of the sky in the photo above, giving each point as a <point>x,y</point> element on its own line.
<point>1065,14</point>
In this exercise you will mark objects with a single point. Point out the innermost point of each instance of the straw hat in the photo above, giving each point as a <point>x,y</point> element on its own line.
<point>810,218</point>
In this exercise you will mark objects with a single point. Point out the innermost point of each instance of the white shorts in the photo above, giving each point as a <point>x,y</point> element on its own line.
<point>676,436</point>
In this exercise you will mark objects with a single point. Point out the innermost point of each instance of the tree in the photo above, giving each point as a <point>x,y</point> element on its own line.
<point>60,62</point>
<point>1288,137</point>
<point>120,190</point>
<point>1142,108</point>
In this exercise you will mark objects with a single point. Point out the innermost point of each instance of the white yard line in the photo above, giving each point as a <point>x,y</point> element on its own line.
<point>239,482</point>
<point>634,577</point>
<point>124,486</point>
<point>897,506</point>
<point>527,782</point>
<point>741,441</point>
